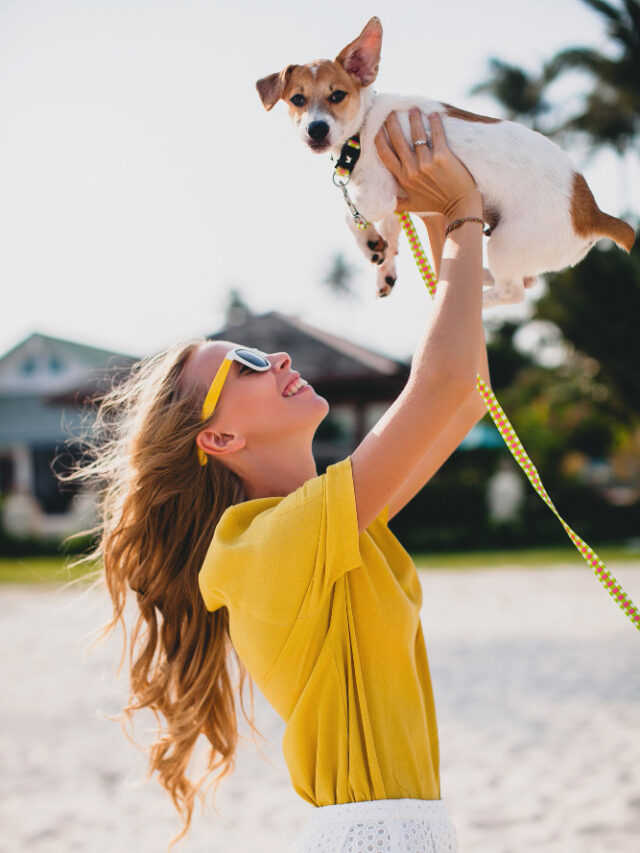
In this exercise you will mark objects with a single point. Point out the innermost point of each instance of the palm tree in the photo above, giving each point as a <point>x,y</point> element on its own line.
<point>611,114</point>
<point>236,309</point>
<point>339,277</point>
<point>611,110</point>
<point>595,303</point>
<point>520,93</point>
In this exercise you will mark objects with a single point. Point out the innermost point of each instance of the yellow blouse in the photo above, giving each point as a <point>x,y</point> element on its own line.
<point>327,622</point>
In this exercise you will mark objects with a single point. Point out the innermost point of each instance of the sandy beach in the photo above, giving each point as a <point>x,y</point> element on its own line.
<point>536,676</point>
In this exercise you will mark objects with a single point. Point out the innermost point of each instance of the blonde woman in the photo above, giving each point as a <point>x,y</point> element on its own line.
<point>239,553</point>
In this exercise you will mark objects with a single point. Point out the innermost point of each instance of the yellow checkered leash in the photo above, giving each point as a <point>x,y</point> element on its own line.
<point>513,443</point>
<point>341,176</point>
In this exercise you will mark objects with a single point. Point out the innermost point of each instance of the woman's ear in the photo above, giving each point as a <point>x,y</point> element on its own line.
<point>215,443</point>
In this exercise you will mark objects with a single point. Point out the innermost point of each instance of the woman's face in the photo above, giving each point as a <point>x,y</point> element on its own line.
<point>252,409</point>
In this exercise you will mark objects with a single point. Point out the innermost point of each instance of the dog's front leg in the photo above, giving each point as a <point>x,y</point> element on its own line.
<point>389,228</point>
<point>371,244</point>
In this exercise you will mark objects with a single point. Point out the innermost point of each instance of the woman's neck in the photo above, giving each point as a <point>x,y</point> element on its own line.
<point>276,470</point>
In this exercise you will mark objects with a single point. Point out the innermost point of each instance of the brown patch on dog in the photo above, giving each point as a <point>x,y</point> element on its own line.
<point>271,88</point>
<point>465,115</point>
<point>589,221</point>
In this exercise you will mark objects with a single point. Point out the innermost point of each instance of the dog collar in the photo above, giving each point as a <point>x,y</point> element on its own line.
<point>348,157</point>
<point>342,175</point>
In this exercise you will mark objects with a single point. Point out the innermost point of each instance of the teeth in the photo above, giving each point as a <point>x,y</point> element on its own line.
<point>297,385</point>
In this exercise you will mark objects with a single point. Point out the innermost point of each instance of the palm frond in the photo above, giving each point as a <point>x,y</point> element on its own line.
<point>624,24</point>
<point>633,11</point>
<point>605,9</point>
<point>521,93</point>
<point>581,58</point>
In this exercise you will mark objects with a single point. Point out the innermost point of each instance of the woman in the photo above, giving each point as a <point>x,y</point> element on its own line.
<point>214,515</point>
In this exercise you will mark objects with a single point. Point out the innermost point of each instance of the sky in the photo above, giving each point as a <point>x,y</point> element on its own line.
<point>141,178</point>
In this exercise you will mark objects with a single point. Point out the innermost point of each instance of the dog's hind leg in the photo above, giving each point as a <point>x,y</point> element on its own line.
<point>503,293</point>
<point>386,272</point>
<point>506,258</point>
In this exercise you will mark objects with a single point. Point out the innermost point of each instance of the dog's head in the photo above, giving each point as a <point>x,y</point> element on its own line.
<point>325,97</point>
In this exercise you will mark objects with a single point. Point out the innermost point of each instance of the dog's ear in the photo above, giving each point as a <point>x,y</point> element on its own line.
<point>271,88</point>
<point>361,57</point>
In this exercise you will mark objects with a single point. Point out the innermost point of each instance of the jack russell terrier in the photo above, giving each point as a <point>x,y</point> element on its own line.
<point>541,213</point>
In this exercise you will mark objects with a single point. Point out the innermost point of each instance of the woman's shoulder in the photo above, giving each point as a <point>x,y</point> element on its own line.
<point>316,522</point>
<point>334,483</point>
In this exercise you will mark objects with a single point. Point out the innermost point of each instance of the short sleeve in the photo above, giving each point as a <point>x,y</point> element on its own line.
<point>279,557</point>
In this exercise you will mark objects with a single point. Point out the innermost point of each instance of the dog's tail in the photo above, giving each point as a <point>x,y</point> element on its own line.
<point>617,230</point>
<point>589,221</point>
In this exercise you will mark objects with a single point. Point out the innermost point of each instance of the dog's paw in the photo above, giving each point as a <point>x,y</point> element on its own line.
<point>503,293</point>
<point>378,248</point>
<point>385,280</point>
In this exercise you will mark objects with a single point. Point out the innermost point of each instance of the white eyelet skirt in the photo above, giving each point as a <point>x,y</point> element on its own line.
<point>379,826</point>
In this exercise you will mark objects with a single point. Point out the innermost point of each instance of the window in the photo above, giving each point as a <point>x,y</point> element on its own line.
<point>54,497</point>
<point>7,473</point>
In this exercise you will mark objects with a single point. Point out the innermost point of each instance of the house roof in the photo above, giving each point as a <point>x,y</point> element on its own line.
<point>85,351</point>
<point>315,353</point>
<point>44,381</point>
<point>42,365</point>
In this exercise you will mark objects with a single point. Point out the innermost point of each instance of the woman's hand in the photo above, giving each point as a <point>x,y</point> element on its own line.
<point>433,178</point>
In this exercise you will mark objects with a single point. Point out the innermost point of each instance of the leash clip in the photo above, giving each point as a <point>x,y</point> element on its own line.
<point>345,165</point>
<point>358,218</point>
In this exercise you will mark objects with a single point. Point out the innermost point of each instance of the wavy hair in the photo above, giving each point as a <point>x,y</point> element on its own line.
<point>158,511</point>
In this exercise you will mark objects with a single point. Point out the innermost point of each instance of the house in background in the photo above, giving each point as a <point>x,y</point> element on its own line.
<point>40,409</point>
<point>358,383</point>
<point>46,382</point>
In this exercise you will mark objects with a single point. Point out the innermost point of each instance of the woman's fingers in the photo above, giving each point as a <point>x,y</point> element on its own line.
<point>432,179</point>
<point>418,132</point>
<point>437,134</point>
<point>395,152</point>
<point>397,138</point>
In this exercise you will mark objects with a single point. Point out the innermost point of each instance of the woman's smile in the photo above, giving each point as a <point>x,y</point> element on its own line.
<point>295,386</point>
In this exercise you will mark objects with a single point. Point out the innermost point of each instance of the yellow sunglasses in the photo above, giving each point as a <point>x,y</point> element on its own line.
<point>252,358</point>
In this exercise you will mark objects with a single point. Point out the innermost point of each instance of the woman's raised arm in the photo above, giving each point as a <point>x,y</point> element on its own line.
<point>444,366</point>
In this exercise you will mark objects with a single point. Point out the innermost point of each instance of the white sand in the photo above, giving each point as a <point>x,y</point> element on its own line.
<point>537,683</point>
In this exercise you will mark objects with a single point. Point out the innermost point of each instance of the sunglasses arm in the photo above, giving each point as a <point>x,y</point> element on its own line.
<point>211,399</point>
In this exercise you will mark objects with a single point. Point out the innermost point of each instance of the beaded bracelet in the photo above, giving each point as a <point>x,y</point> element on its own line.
<point>457,222</point>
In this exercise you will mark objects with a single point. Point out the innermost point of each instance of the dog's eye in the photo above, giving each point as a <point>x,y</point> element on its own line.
<point>337,96</point>
<point>298,100</point>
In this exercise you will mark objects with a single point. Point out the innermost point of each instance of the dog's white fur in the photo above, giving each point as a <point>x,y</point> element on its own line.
<point>523,177</point>
<point>519,173</point>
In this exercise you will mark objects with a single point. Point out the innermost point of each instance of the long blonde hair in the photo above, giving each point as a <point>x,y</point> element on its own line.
<point>158,512</point>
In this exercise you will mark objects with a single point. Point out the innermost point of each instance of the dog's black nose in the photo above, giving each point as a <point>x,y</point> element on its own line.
<point>318,129</point>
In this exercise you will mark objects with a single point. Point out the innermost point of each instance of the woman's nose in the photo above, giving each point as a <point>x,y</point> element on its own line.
<point>280,360</point>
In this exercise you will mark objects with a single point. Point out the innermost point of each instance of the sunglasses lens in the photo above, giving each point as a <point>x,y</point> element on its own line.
<point>253,358</point>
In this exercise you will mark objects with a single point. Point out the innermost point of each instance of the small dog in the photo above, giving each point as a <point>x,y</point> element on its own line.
<point>541,213</point>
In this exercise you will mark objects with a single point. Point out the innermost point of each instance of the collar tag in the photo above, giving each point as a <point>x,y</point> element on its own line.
<point>347,159</point>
